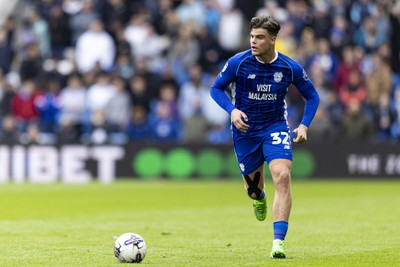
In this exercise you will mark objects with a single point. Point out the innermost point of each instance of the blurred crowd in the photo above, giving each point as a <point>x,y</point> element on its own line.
<point>119,71</point>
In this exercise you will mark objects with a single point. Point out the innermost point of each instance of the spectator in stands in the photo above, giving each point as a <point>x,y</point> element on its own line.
<point>325,58</point>
<point>89,78</point>
<point>31,65</point>
<point>381,18</point>
<point>72,7</point>
<point>184,52</point>
<point>124,67</point>
<point>355,90</point>
<point>9,25</point>
<point>230,32</point>
<point>97,98</point>
<point>170,23</point>
<point>218,121</point>
<point>153,50</point>
<point>322,129</point>
<point>191,103</point>
<point>23,105</point>
<point>153,80</point>
<point>6,97</point>
<point>320,20</point>
<point>87,58</point>
<point>191,12</point>
<point>6,52</point>
<point>159,14</point>
<point>32,136</point>
<point>347,65</point>
<point>115,10</point>
<point>44,7</point>
<point>359,10</point>
<point>356,127</point>
<point>136,34</point>
<point>378,81</point>
<point>82,15</point>
<point>168,95</point>
<point>73,108</point>
<point>41,30</point>
<point>210,51</point>
<point>60,32</point>
<point>164,115</point>
<point>9,133</point>
<point>316,75</point>
<point>158,42</point>
<point>368,36</point>
<point>306,46</point>
<point>138,89</point>
<point>212,16</point>
<point>385,116</point>
<point>164,127</point>
<point>25,38</point>
<point>122,46</point>
<point>335,113</point>
<point>138,129</point>
<point>48,107</point>
<point>298,12</point>
<point>273,9</point>
<point>286,44</point>
<point>117,111</point>
<point>339,35</point>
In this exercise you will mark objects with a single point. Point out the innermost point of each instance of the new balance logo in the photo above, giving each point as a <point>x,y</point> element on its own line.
<point>251,76</point>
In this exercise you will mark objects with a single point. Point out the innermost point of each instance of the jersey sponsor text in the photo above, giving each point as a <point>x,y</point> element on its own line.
<point>262,96</point>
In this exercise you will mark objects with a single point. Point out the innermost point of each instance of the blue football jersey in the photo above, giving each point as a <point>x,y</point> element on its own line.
<point>259,89</point>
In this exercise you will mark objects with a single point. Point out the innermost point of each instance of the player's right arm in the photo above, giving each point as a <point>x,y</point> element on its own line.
<point>222,81</point>
<point>308,91</point>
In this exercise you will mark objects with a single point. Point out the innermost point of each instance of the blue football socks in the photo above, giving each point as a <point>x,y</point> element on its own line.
<point>280,229</point>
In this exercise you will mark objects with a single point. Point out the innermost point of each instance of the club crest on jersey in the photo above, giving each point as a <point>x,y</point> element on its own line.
<point>278,76</point>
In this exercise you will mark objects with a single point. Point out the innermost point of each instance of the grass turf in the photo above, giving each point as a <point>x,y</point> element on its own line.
<point>335,223</point>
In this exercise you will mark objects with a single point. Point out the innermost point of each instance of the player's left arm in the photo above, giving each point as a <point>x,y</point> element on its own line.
<point>307,90</point>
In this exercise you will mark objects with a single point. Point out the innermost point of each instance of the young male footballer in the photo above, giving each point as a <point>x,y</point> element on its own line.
<point>259,79</point>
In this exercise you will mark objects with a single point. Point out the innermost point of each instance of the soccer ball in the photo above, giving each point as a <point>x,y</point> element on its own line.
<point>130,247</point>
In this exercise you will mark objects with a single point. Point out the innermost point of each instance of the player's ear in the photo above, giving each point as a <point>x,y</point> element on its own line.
<point>273,39</point>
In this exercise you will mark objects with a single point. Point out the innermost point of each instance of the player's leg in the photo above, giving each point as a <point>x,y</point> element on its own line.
<point>254,186</point>
<point>250,156</point>
<point>280,172</point>
<point>277,149</point>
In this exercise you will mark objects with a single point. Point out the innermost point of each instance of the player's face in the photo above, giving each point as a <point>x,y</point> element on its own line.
<point>261,42</point>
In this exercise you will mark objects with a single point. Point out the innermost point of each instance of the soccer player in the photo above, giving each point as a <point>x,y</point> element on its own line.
<point>259,79</point>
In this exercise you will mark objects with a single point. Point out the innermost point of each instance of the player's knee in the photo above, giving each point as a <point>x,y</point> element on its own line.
<point>255,194</point>
<point>253,190</point>
<point>282,179</point>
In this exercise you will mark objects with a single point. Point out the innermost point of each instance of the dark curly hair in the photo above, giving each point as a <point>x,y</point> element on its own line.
<point>267,23</point>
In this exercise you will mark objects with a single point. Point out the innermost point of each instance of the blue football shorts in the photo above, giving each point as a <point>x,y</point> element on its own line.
<point>252,149</point>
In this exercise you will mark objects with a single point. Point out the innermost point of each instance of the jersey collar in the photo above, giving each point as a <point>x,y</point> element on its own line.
<point>275,58</point>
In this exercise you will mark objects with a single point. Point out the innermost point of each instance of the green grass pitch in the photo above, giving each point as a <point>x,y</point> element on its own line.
<point>198,223</point>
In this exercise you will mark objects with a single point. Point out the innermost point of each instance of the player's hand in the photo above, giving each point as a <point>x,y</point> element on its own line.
<point>238,118</point>
<point>301,133</point>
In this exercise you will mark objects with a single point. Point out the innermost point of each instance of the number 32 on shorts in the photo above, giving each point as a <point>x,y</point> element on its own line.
<point>281,138</point>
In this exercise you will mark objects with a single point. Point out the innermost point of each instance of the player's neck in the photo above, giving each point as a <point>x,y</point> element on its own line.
<point>268,57</point>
